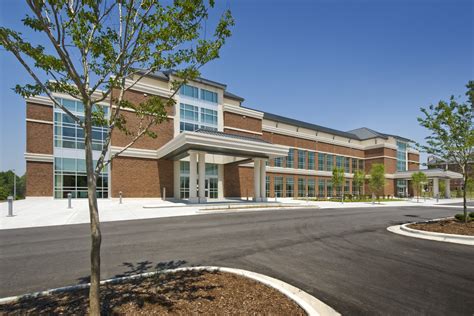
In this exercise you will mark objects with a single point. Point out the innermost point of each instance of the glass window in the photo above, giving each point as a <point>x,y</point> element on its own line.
<point>301,159</point>
<point>183,126</point>
<point>361,164</point>
<point>189,112</point>
<point>278,162</point>
<point>208,116</point>
<point>346,187</point>
<point>184,167</point>
<point>290,158</point>
<point>401,156</point>
<point>354,165</point>
<point>321,186</point>
<point>278,186</point>
<point>189,91</point>
<point>321,158</point>
<point>311,187</point>
<point>267,186</point>
<point>329,188</point>
<point>301,187</point>
<point>310,160</point>
<point>290,187</point>
<point>212,169</point>
<point>329,162</point>
<point>347,165</point>
<point>208,96</point>
<point>339,161</point>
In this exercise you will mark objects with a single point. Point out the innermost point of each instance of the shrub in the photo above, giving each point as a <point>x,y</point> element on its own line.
<point>460,217</point>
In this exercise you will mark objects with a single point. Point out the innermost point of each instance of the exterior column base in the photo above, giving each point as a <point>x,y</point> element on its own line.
<point>203,200</point>
<point>193,200</point>
<point>257,199</point>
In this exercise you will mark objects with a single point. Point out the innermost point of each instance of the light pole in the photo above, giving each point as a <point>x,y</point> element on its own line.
<point>14,185</point>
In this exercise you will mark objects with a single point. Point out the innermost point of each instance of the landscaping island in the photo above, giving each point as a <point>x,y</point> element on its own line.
<point>447,226</point>
<point>183,292</point>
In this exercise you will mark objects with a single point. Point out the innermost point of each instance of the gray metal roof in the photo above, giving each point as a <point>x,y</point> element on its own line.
<point>233,96</point>
<point>307,125</point>
<point>216,133</point>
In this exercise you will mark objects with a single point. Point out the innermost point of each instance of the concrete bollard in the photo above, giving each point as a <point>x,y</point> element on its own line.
<point>164,194</point>
<point>120,197</point>
<point>69,200</point>
<point>10,206</point>
<point>437,198</point>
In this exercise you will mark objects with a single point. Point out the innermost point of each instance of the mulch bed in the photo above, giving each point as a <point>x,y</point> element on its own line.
<point>180,293</point>
<point>451,226</point>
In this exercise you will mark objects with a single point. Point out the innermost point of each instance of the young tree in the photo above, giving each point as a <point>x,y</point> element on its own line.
<point>451,125</point>
<point>338,180</point>
<point>418,179</point>
<point>98,50</point>
<point>358,180</point>
<point>377,179</point>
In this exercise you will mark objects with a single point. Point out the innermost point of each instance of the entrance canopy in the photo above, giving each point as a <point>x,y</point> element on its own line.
<point>220,147</point>
<point>430,173</point>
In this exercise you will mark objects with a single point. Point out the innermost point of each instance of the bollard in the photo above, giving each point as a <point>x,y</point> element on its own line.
<point>247,194</point>
<point>10,206</point>
<point>69,200</point>
<point>164,193</point>
<point>307,200</point>
<point>120,197</point>
<point>275,198</point>
<point>437,198</point>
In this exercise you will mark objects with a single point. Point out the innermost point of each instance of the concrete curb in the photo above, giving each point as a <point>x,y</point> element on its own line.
<point>410,232</point>
<point>309,303</point>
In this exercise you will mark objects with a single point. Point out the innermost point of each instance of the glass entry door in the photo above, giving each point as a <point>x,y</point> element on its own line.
<point>211,191</point>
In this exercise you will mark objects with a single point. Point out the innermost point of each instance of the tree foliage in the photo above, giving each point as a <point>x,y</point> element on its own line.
<point>97,51</point>
<point>338,179</point>
<point>419,179</point>
<point>451,127</point>
<point>358,180</point>
<point>377,179</point>
<point>7,183</point>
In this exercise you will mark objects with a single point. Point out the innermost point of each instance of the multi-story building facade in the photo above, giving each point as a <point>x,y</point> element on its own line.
<point>209,141</point>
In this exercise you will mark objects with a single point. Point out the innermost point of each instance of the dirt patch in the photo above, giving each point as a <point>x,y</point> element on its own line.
<point>180,293</point>
<point>450,226</point>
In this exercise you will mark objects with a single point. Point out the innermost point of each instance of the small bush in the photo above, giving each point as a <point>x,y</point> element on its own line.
<point>460,217</point>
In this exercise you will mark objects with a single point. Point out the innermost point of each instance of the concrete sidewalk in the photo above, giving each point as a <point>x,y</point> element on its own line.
<point>38,212</point>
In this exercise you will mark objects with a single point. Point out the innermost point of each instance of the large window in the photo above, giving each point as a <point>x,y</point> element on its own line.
<point>347,164</point>
<point>401,156</point>
<point>321,186</point>
<point>70,177</point>
<point>189,91</point>
<point>290,158</point>
<point>346,187</point>
<point>301,159</point>
<point>329,162</point>
<point>267,186</point>
<point>208,96</point>
<point>329,188</point>
<point>311,187</point>
<point>190,120</point>
<point>278,186</point>
<point>290,187</point>
<point>278,162</point>
<point>354,165</point>
<point>339,161</point>
<point>301,187</point>
<point>310,160</point>
<point>70,171</point>
<point>321,158</point>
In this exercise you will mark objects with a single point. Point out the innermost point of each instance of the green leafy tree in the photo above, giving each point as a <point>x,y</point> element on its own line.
<point>451,125</point>
<point>418,179</point>
<point>338,180</point>
<point>470,187</point>
<point>96,51</point>
<point>442,188</point>
<point>7,184</point>
<point>358,180</point>
<point>377,179</point>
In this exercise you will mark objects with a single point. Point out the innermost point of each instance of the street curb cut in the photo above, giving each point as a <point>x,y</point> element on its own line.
<point>410,232</point>
<point>309,303</point>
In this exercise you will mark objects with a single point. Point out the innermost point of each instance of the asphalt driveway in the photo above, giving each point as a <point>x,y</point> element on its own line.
<point>345,257</point>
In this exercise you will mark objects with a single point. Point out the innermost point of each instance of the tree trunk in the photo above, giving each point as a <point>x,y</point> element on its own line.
<point>464,197</point>
<point>96,238</point>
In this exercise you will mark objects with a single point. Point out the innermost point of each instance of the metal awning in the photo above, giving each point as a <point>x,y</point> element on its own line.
<point>222,144</point>
<point>430,173</point>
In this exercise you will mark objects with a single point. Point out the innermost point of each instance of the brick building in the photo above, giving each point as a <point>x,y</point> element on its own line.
<point>209,140</point>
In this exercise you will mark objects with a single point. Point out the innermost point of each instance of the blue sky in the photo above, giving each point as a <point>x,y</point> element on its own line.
<point>341,64</point>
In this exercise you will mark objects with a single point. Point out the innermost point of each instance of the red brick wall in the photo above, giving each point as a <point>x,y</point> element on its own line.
<point>39,112</point>
<point>137,177</point>
<point>39,138</point>
<point>242,122</point>
<point>39,178</point>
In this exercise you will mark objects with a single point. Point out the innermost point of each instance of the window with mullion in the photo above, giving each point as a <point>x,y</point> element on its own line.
<point>310,160</point>
<point>301,159</point>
